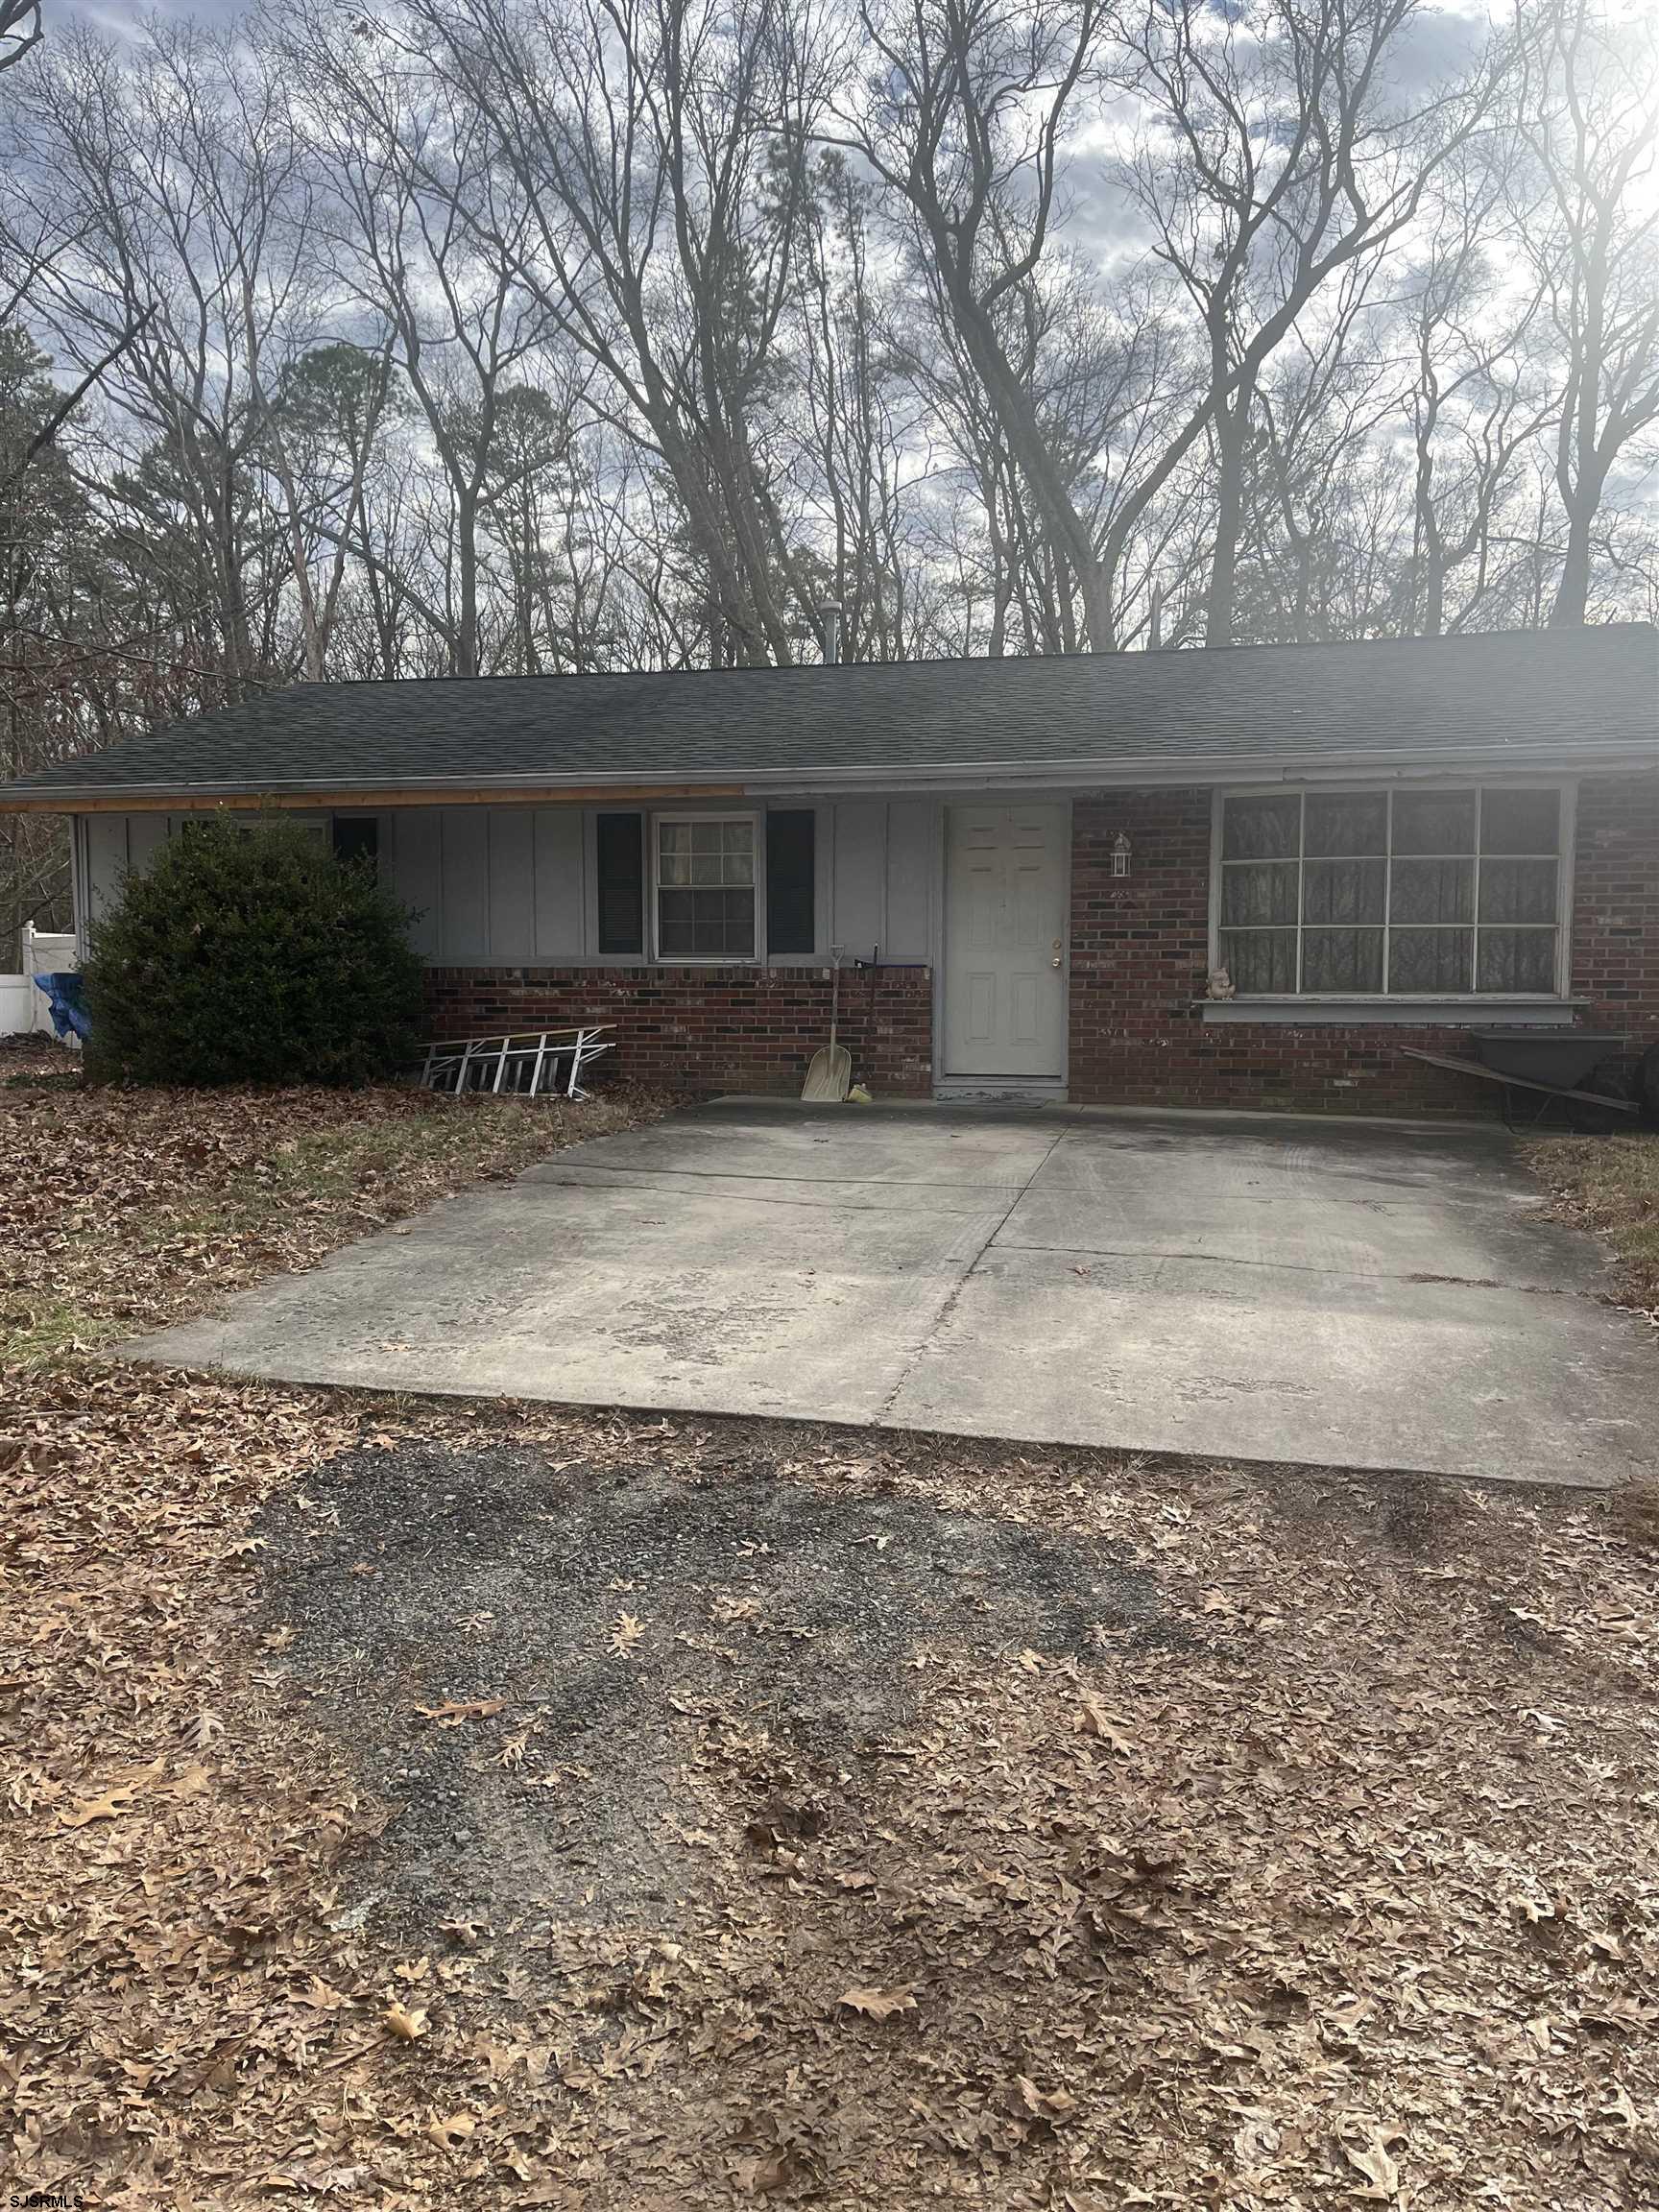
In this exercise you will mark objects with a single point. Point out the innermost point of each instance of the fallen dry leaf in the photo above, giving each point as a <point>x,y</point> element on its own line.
<point>113,1802</point>
<point>879,2004</point>
<point>1371,2159</point>
<point>449,2131</point>
<point>625,1632</point>
<point>453,1712</point>
<point>109,1806</point>
<point>1054,2104</point>
<point>321,1998</point>
<point>1093,1719</point>
<point>758,2174</point>
<point>407,2023</point>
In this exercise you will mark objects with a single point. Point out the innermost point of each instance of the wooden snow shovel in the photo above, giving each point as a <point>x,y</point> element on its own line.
<point>831,1070</point>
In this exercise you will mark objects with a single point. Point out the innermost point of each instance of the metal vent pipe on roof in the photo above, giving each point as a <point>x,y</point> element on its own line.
<point>830,618</point>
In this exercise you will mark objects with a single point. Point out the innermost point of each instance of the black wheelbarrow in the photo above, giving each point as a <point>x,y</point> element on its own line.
<point>1541,1065</point>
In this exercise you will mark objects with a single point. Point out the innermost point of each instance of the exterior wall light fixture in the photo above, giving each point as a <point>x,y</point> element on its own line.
<point>1121,854</point>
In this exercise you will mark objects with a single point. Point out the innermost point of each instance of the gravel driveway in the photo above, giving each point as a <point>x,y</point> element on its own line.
<point>533,1659</point>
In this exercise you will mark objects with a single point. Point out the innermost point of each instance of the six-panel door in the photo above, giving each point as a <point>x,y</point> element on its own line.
<point>1004,942</point>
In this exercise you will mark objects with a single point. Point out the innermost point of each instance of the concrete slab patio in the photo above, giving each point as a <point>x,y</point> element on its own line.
<point>1365,1294</point>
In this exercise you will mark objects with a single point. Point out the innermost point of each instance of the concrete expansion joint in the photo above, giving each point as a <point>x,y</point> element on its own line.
<point>881,1415</point>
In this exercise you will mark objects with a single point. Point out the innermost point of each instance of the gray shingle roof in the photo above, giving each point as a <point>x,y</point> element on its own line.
<point>1512,693</point>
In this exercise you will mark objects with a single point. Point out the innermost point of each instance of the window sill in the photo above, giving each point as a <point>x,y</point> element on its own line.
<point>1461,1013</point>
<point>810,963</point>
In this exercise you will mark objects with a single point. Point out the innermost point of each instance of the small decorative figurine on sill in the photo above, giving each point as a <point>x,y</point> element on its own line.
<point>1220,983</point>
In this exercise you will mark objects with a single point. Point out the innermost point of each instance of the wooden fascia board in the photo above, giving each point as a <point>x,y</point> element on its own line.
<point>360,801</point>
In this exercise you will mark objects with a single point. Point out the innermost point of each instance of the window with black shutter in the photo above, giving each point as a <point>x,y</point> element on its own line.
<point>356,838</point>
<point>790,881</point>
<point>621,872</point>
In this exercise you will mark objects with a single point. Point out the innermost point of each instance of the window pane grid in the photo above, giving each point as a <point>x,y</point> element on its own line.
<point>1390,894</point>
<point>704,888</point>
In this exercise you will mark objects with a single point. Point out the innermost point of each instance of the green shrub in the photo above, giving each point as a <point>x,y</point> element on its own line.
<point>246,954</point>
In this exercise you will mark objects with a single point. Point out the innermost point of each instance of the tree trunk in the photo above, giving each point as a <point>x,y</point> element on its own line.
<point>1016,412</point>
<point>1572,593</point>
<point>1231,435</point>
<point>466,563</point>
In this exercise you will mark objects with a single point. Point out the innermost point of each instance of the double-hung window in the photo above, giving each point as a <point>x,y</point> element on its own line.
<point>706,886</point>
<point>1401,893</point>
<point>704,882</point>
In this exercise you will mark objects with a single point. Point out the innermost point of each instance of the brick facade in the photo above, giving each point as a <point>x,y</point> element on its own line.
<point>709,1029</point>
<point>1616,903</point>
<point>1140,955</point>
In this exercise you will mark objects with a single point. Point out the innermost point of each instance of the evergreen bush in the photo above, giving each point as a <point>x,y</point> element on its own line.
<point>247,953</point>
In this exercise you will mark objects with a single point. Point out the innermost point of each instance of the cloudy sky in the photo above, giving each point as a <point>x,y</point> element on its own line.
<point>114,14</point>
<point>119,14</point>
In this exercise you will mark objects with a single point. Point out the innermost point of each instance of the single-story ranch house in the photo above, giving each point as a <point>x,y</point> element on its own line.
<point>1042,864</point>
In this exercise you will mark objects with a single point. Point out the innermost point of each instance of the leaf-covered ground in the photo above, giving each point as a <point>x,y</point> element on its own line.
<point>120,1208</point>
<point>1610,1184</point>
<point>1041,1829</point>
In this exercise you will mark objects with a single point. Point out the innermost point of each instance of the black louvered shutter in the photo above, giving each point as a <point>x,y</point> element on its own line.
<point>621,857</point>
<point>357,838</point>
<point>790,881</point>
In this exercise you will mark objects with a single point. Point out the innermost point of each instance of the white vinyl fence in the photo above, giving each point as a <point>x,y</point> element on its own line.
<point>22,1007</point>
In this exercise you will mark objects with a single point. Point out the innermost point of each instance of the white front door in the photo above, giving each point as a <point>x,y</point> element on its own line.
<point>1006,942</point>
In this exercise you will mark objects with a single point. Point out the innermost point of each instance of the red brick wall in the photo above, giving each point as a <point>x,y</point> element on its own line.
<point>707,1029</point>
<point>1139,952</point>
<point>1616,905</point>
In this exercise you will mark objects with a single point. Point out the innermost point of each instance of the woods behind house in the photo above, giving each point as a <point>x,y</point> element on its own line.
<point>461,337</point>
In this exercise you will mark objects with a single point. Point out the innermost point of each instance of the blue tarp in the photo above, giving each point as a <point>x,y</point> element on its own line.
<point>62,989</point>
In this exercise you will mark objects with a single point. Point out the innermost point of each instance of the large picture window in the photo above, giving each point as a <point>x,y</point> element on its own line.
<point>704,888</point>
<point>1397,893</point>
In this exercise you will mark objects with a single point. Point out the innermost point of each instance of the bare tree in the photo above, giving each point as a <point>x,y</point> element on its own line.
<point>20,30</point>
<point>858,408</point>
<point>1591,121</point>
<point>429,243</point>
<point>962,111</point>
<point>650,142</point>
<point>27,247</point>
<point>1479,403</point>
<point>1278,156</point>
<point>182,286</point>
<point>1311,561</point>
<point>324,419</point>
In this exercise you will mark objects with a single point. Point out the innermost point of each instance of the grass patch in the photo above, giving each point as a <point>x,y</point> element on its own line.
<point>33,1334</point>
<point>1610,1184</point>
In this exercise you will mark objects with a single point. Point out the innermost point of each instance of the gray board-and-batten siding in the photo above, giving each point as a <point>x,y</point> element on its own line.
<point>514,886</point>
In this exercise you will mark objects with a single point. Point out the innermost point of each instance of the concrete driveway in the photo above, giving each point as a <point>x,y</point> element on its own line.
<point>1363,1295</point>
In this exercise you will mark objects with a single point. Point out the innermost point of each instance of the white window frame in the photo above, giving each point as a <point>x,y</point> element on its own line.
<point>1566,790</point>
<point>756,957</point>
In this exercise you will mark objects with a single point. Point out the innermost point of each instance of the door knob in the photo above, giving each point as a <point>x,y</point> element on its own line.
<point>1056,962</point>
